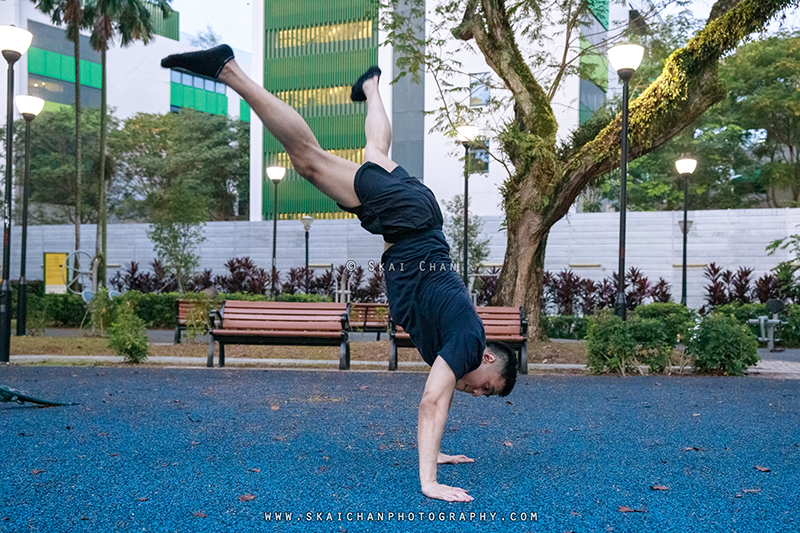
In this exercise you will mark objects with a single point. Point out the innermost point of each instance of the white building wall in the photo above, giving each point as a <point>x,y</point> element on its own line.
<point>587,243</point>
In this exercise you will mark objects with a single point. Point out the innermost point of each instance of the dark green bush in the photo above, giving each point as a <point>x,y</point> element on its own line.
<point>127,336</point>
<point>722,345</point>
<point>677,319</point>
<point>617,346</point>
<point>743,313</point>
<point>609,344</point>
<point>564,327</point>
<point>63,310</point>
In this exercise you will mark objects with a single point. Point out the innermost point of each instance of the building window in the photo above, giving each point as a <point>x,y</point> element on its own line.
<point>61,92</point>
<point>349,31</point>
<point>316,97</point>
<point>479,88</point>
<point>479,159</point>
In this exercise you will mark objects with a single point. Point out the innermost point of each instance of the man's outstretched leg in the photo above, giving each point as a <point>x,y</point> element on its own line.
<point>377,127</point>
<point>332,175</point>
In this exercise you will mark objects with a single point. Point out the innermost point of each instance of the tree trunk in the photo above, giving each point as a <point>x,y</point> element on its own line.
<point>102,222</point>
<point>78,164</point>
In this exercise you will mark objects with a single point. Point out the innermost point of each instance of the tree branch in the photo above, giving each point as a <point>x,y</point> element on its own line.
<point>686,88</point>
<point>495,38</point>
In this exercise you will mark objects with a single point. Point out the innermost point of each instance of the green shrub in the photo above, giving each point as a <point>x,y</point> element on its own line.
<point>677,319</point>
<point>652,339</point>
<point>301,298</point>
<point>101,312</point>
<point>789,334</point>
<point>64,310</point>
<point>722,345</point>
<point>609,344</point>
<point>127,336</point>
<point>564,327</point>
<point>743,313</point>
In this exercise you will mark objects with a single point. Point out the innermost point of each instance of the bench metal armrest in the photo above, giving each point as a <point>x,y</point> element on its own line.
<point>346,319</point>
<point>523,323</point>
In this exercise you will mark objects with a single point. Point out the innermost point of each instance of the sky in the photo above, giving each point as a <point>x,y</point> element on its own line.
<point>230,19</point>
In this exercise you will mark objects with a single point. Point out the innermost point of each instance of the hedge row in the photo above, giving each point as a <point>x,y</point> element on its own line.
<point>158,311</point>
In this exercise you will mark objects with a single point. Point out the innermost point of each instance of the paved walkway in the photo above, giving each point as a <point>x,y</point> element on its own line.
<point>784,369</point>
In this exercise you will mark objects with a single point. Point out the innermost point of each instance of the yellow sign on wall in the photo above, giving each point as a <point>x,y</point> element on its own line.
<point>54,273</point>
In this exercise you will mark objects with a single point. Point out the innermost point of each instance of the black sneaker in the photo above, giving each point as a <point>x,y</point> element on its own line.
<point>357,93</point>
<point>207,63</point>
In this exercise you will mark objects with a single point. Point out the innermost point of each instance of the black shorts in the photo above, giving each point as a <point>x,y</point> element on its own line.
<point>394,204</point>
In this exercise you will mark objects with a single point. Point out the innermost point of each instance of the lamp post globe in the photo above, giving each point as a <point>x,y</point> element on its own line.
<point>625,59</point>
<point>685,168</point>
<point>13,43</point>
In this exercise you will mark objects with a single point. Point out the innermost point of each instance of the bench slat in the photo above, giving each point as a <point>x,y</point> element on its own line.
<point>268,325</point>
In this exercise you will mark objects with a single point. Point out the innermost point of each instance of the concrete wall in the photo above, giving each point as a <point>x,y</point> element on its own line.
<point>731,239</point>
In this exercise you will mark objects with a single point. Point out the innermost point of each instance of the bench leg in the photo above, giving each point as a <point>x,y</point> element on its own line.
<point>523,358</point>
<point>392,355</point>
<point>221,354</point>
<point>344,355</point>
<point>210,362</point>
<point>177,334</point>
<point>379,337</point>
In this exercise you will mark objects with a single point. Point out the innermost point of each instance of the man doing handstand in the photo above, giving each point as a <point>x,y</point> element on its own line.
<point>426,296</point>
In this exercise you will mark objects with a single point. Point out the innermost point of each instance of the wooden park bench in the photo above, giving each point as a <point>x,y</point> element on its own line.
<point>280,324</point>
<point>184,309</point>
<point>505,324</point>
<point>369,318</point>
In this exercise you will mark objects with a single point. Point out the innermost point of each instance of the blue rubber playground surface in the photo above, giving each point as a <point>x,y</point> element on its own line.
<point>158,449</point>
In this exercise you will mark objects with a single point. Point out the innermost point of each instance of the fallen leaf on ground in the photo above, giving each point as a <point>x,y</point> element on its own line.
<point>113,455</point>
<point>696,414</point>
<point>246,497</point>
<point>751,490</point>
<point>509,403</point>
<point>380,434</point>
<point>508,443</point>
<point>201,515</point>
<point>693,448</point>
<point>659,487</point>
<point>364,387</point>
<point>195,443</point>
<point>762,469</point>
<point>276,407</point>
<point>626,509</point>
<point>142,499</point>
<point>487,423</point>
<point>575,514</point>
<point>323,468</point>
<point>35,472</point>
<point>256,470</point>
<point>102,434</point>
<point>279,439</point>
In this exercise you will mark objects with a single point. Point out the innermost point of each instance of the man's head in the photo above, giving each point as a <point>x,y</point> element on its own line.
<point>496,375</point>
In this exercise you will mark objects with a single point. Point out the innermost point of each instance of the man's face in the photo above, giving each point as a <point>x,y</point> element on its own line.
<point>485,380</point>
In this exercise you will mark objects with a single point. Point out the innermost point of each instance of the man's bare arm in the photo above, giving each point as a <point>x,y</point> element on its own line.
<point>452,459</point>
<point>433,410</point>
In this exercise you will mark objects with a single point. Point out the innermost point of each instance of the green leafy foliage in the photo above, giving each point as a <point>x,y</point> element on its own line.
<point>564,327</point>
<point>609,344</point>
<point>127,336</point>
<point>722,345</point>
<point>477,249</point>
<point>676,319</point>
<point>101,312</point>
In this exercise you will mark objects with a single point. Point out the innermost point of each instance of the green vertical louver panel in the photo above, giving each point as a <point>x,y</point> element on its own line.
<point>244,111</point>
<point>312,47</point>
<point>62,67</point>
<point>168,27</point>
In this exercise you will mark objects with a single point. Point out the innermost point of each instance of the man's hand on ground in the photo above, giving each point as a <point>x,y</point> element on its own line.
<point>448,494</point>
<point>445,459</point>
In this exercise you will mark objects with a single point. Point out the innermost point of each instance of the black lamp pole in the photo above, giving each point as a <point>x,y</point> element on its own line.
<point>685,233</point>
<point>466,211</point>
<point>621,306</point>
<point>274,234</point>
<point>12,57</point>
<point>22,296</point>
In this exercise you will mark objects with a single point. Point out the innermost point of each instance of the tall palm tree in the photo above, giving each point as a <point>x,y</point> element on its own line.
<point>73,14</point>
<point>131,20</point>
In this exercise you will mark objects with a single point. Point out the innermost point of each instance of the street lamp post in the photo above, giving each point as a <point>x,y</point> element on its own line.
<point>13,43</point>
<point>625,59</point>
<point>307,220</point>
<point>466,136</point>
<point>29,107</point>
<point>685,168</point>
<point>275,174</point>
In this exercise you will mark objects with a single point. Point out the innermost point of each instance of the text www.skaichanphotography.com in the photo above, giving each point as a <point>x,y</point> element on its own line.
<point>399,516</point>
